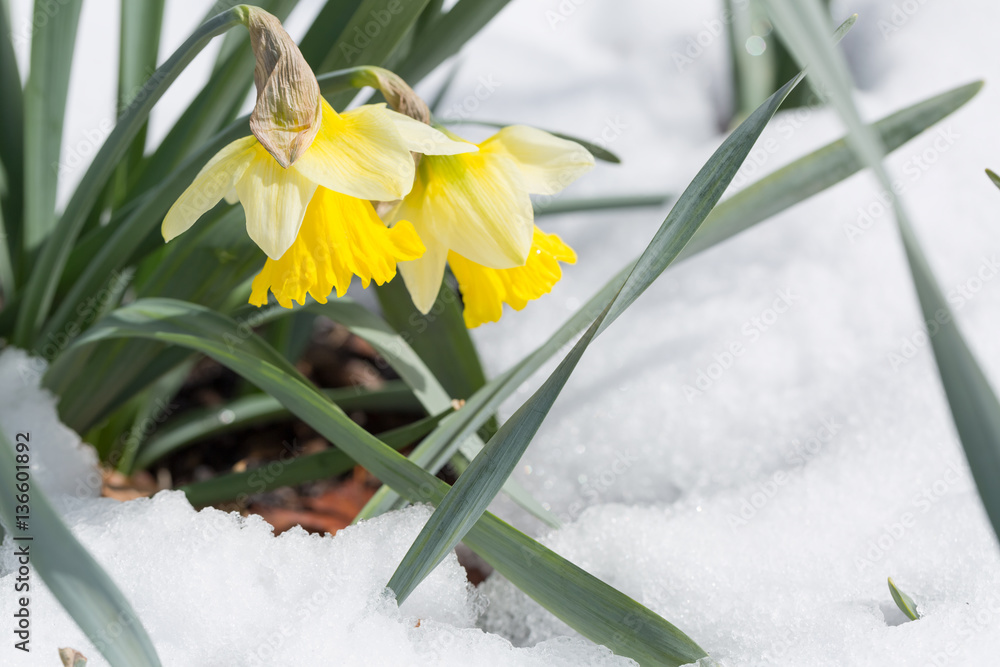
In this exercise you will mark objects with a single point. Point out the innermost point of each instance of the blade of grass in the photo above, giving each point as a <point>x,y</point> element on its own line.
<point>44,108</point>
<point>973,402</point>
<point>475,489</point>
<point>259,409</point>
<point>310,468</point>
<point>585,603</point>
<point>82,587</point>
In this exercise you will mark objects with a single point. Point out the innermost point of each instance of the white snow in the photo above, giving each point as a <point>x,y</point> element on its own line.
<point>762,509</point>
<point>761,514</point>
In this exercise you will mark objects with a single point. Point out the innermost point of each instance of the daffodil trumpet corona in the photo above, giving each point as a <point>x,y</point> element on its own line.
<point>473,211</point>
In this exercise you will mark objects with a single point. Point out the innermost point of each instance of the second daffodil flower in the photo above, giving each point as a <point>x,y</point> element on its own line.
<point>306,176</point>
<point>473,211</point>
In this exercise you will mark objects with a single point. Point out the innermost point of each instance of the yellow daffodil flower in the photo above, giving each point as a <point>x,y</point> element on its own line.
<point>364,153</point>
<point>357,156</point>
<point>473,210</point>
<point>307,175</point>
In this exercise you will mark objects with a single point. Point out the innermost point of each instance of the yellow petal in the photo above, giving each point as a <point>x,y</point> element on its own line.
<point>274,200</point>
<point>359,153</point>
<point>547,162</point>
<point>422,138</point>
<point>341,237</point>
<point>423,276</point>
<point>484,290</point>
<point>211,184</point>
<point>474,204</point>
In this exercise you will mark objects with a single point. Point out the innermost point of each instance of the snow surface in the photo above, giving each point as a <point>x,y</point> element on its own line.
<point>760,500</point>
<point>762,514</point>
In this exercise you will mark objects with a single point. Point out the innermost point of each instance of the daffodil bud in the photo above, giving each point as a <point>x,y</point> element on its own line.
<point>396,92</point>
<point>287,115</point>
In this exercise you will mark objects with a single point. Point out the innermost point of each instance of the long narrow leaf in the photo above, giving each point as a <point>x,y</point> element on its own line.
<point>137,52</point>
<point>444,36</point>
<point>325,32</point>
<point>392,347</point>
<point>479,484</point>
<point>374,32</point>
<point>440,338</point>
<point>973,402</point>
<point>217,103</point>
<point>819,170</point>
<point>44,108</point>
<point>591,204</point>
<point>582,601</point>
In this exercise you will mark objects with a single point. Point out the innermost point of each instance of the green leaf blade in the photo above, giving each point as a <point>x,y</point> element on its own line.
<point>973,402</point>
<point>479,484</point>
<point>11,150</point>
<point>44,110</point>
<point>820,170</point>
<point>446,34</point>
